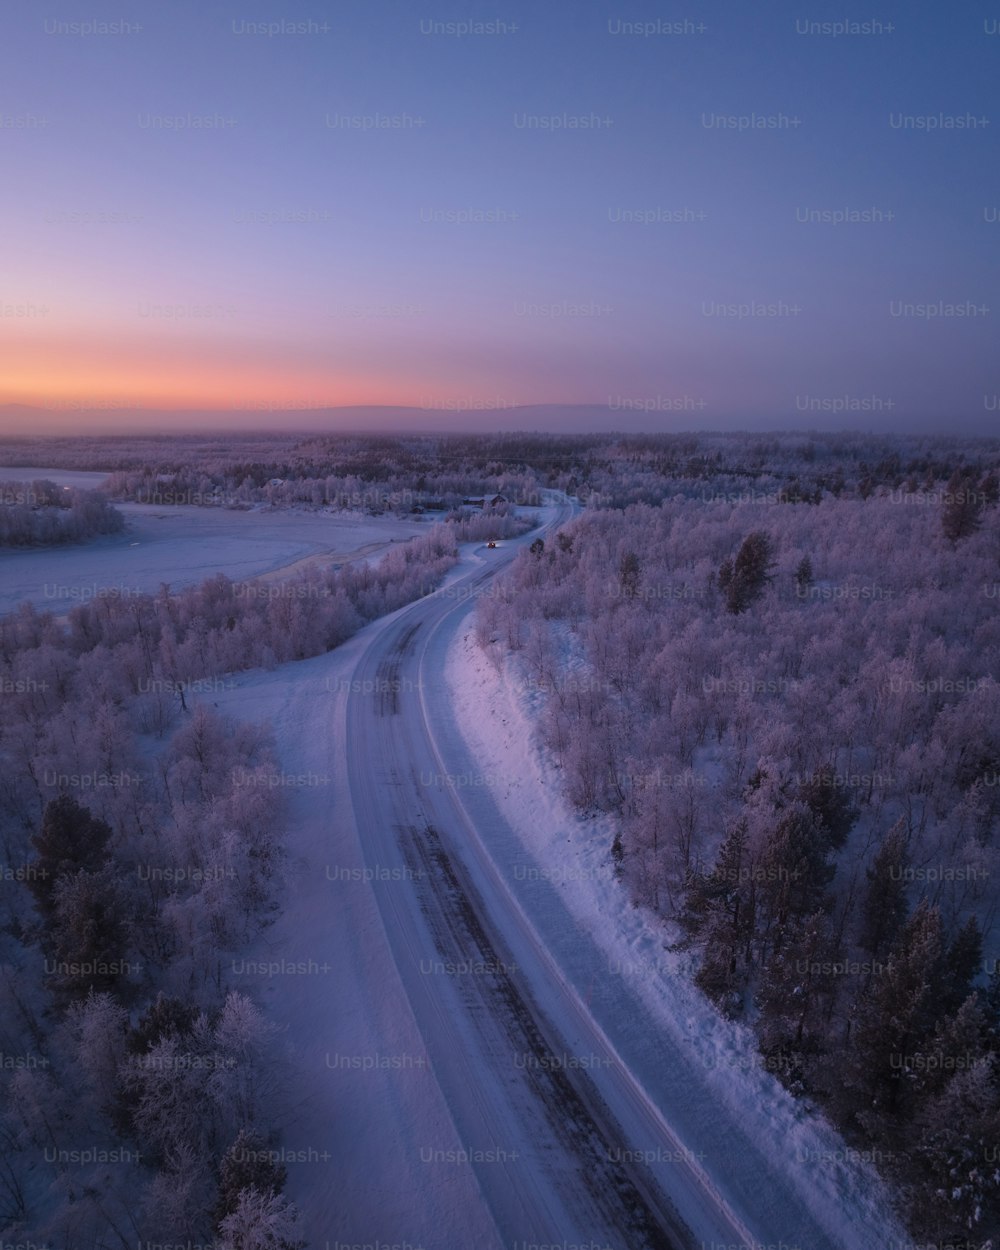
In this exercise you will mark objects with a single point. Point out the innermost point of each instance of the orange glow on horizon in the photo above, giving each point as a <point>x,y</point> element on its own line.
<point>86,378</point>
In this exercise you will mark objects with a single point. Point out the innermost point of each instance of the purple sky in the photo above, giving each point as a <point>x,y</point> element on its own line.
<point>704,214</point>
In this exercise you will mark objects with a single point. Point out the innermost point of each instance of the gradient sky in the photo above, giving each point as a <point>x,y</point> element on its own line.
<point>279,259</point>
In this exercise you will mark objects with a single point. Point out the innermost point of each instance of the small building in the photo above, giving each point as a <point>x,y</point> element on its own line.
<point>498,499</point>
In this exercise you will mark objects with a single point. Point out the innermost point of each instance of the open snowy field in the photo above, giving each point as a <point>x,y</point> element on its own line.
<point>182,545</point>
<point>82,479</point>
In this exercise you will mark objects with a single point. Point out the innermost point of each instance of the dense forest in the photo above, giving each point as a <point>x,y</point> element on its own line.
<point>378,473</point>
<point>790,705</point>
<point>772,660</point>
<point>140,1083</point>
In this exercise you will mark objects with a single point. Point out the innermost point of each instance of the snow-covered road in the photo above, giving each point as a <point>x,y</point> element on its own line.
<point>466,1065</point>
<point>541,1143</point>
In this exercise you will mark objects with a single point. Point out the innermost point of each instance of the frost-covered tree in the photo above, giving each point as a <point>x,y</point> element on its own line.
<point>99,1027</point>
<point>955,1194</point>
<point>247,1164</point>
<point>262,1220</point>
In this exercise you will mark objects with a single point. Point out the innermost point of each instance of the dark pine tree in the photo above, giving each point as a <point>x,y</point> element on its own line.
<point>954,1197</point>
<point>831,806</point>
<point>720,910</point>
<point>961,512</point>
<point>628,575</point>
<point>795,872</point>
<point>884,907</point>
<point>958,1041</point>
<point>962,963</point>
<point>795,988</point>
<point>893,1018</point>
<point>69,840</point>
<point>165,1017</point>
<point>743,581</point>
<point>88,939</point>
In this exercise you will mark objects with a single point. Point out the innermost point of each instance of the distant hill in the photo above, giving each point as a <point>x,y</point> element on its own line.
<point>22,420</point>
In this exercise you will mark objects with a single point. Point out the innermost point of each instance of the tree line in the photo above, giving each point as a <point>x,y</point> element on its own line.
<point>39,514</point>
<point>791,710</point>
<point>141,1084</point>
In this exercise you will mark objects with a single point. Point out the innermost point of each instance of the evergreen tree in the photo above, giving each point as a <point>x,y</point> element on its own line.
<point>961,512</point>
<point>892,1020</point>
<point>955,1197</point>
<point>958,1041</point>
<point>166,1017</point>
<point>795,870</point>
<point>88,938</point>
<point>884,907</point>
<point>744,579</point>
<point>725,576</point>
<point>962,963</point>
<point>628,575</point>
<point>70,840</point>
<point>990,1002</point>
<point>831,806</point>
<point>803,576</point>
<point>795,986</point>
<point>720,909</point>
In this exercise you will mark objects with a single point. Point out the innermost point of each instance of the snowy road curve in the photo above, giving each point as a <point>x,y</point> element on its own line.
<point>529,1078</point>
<point>514,1092</point>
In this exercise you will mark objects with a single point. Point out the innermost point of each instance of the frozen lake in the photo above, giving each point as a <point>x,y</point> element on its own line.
<point>80,478</point>
<point>181,545</point>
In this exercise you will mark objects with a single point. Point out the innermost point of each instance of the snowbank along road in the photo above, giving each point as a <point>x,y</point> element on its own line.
<point>528,1099</point>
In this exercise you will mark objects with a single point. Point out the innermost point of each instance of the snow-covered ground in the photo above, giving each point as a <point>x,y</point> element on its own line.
<point>387,1062</point>
<point>82,479</point>
<point>184,544</point>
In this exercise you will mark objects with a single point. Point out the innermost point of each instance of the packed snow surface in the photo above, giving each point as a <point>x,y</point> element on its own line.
<point>181,545</point>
